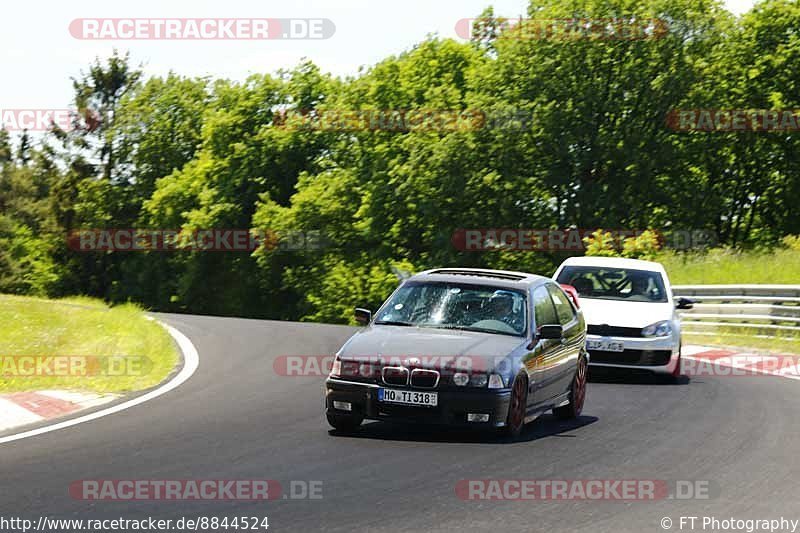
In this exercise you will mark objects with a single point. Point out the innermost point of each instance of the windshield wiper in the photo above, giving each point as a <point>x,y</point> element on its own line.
<point>470,328</point>
<point>460,328</point>
<point>393,323</point>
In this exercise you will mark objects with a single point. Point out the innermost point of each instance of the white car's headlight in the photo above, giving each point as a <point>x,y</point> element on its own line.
<point>659,329</point>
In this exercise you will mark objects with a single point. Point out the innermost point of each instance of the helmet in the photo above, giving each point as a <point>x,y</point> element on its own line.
<point>583,285</point>
<point>502,298</point>
<point>639,282</point>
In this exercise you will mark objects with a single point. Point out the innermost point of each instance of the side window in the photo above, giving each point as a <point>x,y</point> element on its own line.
<point>564,308</point>
<point>543,308</point>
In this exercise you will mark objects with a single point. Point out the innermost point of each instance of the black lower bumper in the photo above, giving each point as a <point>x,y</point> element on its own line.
<point>632,357</point>
<point>451,410</point>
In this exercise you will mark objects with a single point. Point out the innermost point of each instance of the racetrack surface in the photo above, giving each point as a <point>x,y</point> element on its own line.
<point>236,419</point>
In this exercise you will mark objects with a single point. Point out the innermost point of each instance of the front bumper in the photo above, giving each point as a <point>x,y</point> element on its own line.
<point>654,354</point>
<point>452,408</point>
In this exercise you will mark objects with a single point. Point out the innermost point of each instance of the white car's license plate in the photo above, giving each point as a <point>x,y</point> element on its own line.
<point>605,345</point>
<point>408,397</point>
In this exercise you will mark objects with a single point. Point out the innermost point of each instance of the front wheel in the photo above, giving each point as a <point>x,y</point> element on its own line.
<point>517,407</point>
<point>344,423</point>
<point>577,392</point>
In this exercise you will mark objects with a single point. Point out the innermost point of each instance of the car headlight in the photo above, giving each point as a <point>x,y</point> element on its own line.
<point>494,381</point>
<point>478,380</point>
<point>659,329</point>
<point>352,369</point>
<point>460,378</point>
<point>368,370</point>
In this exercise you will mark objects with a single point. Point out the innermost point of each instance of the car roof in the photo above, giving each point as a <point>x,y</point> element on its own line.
<point>481,276</point>
<point>613,262</point>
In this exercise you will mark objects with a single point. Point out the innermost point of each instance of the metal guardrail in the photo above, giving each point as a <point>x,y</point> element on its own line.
<point>771,308</point>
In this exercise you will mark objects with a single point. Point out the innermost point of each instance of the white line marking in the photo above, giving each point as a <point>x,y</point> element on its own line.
<point>191,362</point>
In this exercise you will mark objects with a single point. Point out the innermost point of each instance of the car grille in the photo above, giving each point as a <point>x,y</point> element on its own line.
<point>613,331</point>
<point>632,357</point>
<point>424,379</point>
<point>395,375</point>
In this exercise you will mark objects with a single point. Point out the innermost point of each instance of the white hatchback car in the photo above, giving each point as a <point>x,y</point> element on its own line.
<point>629,310</point>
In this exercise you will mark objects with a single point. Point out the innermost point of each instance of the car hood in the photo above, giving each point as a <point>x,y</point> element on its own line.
<point>624,314</point>
<point>429,346</point>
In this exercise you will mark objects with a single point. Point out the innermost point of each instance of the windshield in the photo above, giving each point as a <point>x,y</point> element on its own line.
<point>623,284</point>
<point>457,306</point>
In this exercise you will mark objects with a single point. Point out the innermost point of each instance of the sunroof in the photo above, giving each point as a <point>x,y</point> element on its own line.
<point>479,273</point>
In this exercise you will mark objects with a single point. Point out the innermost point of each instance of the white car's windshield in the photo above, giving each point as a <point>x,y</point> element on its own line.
<point>457,306</point>
<point>615,283</point>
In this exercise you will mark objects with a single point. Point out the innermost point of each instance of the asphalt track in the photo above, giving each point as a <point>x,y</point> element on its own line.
<point>236,419</point>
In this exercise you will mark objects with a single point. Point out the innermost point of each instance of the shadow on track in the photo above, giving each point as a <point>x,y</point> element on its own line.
<point>544,426</point>
<point>633,377</point>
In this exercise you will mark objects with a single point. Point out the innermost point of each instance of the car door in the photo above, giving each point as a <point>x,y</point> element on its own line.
<point>565,361</point>
<point>542,357</point>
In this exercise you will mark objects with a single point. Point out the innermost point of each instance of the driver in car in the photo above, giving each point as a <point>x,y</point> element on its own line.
<point>640,286</point>
<point>583,285</point>
<point>501,305</point>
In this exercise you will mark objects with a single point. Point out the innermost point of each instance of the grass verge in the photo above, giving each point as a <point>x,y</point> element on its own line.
<point>722,266</point>
<point>740,342</point>
<point>108,349</point>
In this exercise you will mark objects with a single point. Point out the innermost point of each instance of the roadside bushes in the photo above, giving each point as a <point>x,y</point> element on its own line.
<point>644,246</point>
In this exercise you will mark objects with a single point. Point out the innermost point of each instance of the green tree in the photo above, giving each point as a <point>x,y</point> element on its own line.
<point>98,93</point>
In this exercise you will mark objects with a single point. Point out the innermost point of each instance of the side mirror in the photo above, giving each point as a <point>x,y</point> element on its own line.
<point>363,316</point>
<point>547,331</point>
<point>550,331</point>
<point>684,303</point>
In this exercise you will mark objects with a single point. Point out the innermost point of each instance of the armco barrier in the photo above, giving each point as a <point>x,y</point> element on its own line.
<point>770,308</point>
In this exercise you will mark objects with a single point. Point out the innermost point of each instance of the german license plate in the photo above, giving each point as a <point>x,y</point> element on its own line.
<point>605,345</point>
<point>408,397</point>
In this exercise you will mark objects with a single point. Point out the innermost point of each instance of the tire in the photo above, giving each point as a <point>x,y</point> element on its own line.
<point>676,373</point>
<point>577,393</point>
<point>517,406</point>
<point>344,423</point>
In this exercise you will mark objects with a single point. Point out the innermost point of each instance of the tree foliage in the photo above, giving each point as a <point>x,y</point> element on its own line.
<point>573,133</point>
